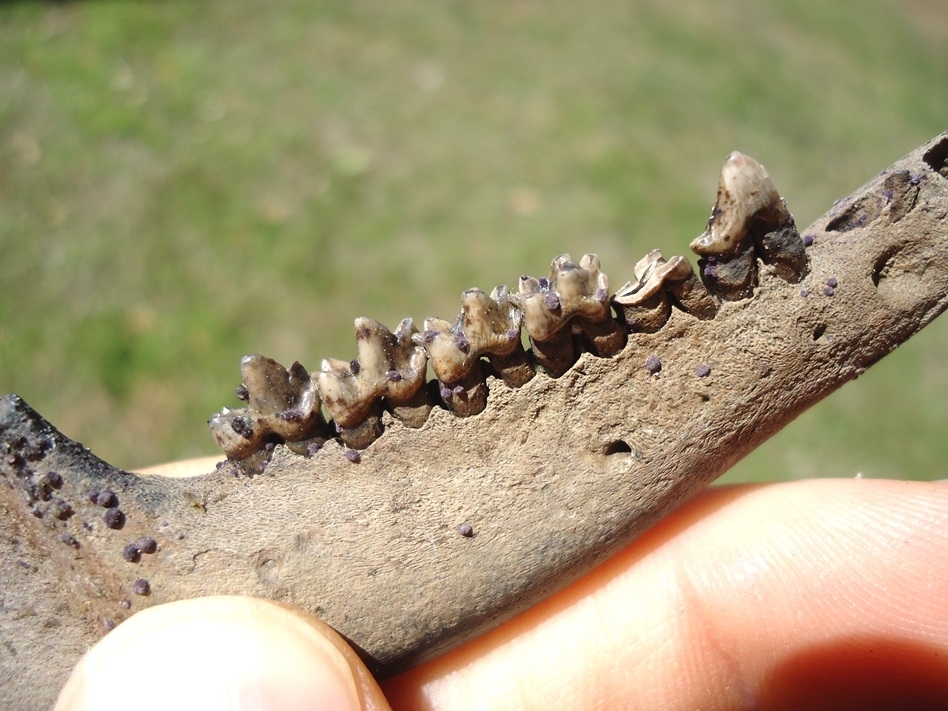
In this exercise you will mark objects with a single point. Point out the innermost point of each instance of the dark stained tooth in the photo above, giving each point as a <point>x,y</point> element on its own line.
<point>689,293</point>
<point>389,365</point>
<point>281,403</point>
<point>577,293</point>
<point>749,213</point>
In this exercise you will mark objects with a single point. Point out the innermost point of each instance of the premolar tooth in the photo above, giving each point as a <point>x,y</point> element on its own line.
<point>281,403</point>
<point>572,291</point>
<point>390,366</point>
<point>748,212</point>
<point>645,304</point>
<point>688,291</point>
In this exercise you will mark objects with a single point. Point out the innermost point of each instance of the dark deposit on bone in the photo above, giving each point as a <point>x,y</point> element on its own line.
<point>114,518</point>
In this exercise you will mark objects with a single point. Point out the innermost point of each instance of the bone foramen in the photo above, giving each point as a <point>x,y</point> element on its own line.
<point>565,314</point>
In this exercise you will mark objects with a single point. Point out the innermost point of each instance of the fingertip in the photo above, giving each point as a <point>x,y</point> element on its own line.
<point>221,653</point>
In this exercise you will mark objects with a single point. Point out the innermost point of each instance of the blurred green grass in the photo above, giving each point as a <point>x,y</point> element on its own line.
<point>182,183</point>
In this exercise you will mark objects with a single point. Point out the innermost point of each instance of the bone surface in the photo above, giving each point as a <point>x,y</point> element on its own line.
<point>374,547</point>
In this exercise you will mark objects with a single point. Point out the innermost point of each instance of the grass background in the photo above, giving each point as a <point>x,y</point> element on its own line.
<point>182,183</point>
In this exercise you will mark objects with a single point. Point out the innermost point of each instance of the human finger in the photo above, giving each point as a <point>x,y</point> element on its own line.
<point>221,653</point>
<point>817,594</point>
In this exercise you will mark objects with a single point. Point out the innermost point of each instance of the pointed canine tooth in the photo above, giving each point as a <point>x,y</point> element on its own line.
<point>748,212</point>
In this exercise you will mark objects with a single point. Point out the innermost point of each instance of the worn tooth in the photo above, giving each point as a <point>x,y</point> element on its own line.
<point>572,291</point>
<point>748,212</point>
<point>404,387</point>
<point>644,304</point>
<point>390,366</point>
<point>281,404</point>
<point>605,335</point>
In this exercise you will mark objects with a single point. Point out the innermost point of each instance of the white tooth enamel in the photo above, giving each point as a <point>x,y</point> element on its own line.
<point>745,193</point>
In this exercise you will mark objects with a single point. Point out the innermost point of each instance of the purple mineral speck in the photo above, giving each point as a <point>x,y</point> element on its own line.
<point>69,540</point>
<point>355,366</point>
<point>393,376</point>
<point>141,587</point>
<point>108,623</point>
<point>146,544</point>
<point>446,394</point>
<point>125,604</point>
<point>513,334</point>
<point>458,390</point>
<point>430,335</point>
<point>832,282</point>
<point>54,479</point>
<point>551,301</point>
<point>829,291</point>
<point>131,553</point>
<point>804,293</point>
<point>703,370</point>
<point>653,364</point>
<point>808,240</point>
<point>353,456</point>
<point>915,179</point>
<point>243,392</point>
<point>466,529</point>
<point>106,499</point>
<point>312,448</point>
<point>888,195</point>
<point>114,518</point>
<point>544,283</point>
<point>462,343</point>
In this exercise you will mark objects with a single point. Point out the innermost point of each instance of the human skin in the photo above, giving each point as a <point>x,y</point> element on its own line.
<point>814,594</point>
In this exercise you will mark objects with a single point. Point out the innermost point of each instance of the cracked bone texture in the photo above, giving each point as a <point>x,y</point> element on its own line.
<point>369,547</point>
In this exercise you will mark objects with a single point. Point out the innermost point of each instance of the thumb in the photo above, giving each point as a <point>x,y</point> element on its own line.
<point>221,653</point>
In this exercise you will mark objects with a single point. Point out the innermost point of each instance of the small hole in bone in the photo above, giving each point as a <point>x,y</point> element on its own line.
<point>818,331</point>
<point>617,447</point>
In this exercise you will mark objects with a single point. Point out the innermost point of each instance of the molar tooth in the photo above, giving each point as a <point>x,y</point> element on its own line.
<point>572,291</point>
<point>390,366</point>
<point>748,212</point>
<point>689,292</point>
<point>456,363</point>
<point>281,403</point>
<point>492,324</point>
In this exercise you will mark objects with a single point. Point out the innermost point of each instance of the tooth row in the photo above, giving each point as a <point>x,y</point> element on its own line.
<point>564,314</point>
